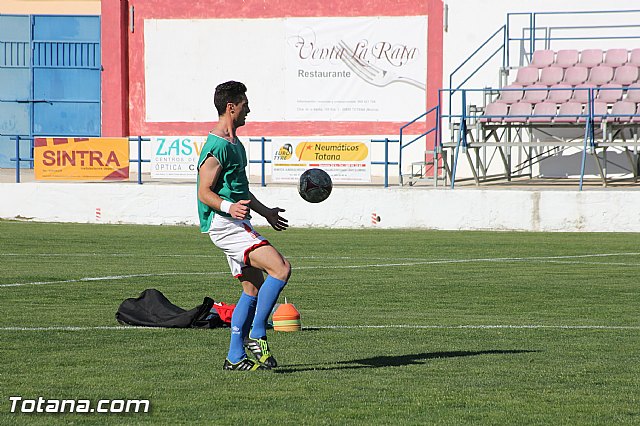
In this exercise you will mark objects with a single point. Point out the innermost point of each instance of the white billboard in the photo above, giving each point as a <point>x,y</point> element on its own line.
<point>296,69</point>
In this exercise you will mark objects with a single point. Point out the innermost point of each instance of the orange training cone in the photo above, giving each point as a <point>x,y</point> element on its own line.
<point>286,318</point>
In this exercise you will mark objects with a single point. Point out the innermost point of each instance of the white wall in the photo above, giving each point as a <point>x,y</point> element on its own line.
<point>347,207</point>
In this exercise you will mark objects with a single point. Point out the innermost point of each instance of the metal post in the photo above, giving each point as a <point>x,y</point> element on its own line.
<point>400,156</point>
<point>262,161</point>
<point>17,139</point>
<point>139,139</point>
<point>532,34</point>
<point>436,145</point>
<point>262,142</point>
<point>462,137</point>
<point>386,162</point>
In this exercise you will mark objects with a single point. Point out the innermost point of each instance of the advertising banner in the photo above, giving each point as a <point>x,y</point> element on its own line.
<point>355,69</point>
<point>345,161</point>
<point>81,158</point>
<point>347,69</point>
<point>175,157</point>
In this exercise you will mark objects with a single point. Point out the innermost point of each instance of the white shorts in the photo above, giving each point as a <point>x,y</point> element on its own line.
<point>236,238</point>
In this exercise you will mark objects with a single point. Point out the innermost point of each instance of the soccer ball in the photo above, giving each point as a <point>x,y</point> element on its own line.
<point>315,185</point>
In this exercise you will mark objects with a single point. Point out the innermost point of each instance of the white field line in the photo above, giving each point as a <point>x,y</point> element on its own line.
<point>351,327</point>
<point>416,259</point>
<point>485,327</point>
<point>557,259</point>
<point>111,278</point>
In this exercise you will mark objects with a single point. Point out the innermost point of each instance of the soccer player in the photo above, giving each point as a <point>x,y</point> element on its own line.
<point>224,205</point>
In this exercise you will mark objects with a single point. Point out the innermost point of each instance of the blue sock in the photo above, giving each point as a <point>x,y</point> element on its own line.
<point>267,297</point>
<point>240,322</point>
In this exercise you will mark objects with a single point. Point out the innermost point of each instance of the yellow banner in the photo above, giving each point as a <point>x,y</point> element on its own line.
<point>332,151</point>
<point>81,158</point>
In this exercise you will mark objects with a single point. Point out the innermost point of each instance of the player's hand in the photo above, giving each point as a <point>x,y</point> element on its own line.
<point>240,210</point>
<point>276,221</point>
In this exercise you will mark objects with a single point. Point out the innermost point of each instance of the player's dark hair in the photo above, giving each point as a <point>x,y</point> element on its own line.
<point>231,91</point>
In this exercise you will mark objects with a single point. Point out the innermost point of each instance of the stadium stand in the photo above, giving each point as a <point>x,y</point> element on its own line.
<point>590,92</point>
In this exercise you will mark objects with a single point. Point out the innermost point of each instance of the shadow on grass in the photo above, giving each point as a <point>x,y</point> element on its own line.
<point>394,361</point>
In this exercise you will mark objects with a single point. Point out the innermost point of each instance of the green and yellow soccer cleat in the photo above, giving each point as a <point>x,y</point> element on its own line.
<point>245,364</point>
<point>260,350</point>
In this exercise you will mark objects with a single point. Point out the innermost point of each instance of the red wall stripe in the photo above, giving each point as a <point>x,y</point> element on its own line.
<point>115,84</point>
<point>217,9</point>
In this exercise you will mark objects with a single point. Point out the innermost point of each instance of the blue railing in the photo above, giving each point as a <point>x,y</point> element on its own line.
<point>536,23</point>
<point>386,163</point>
<point>18,159</point>
<point>588,119</point>
<point>139,160</point>
<point>500,34</point>
<point>435,130</point>
<point>263,161</point>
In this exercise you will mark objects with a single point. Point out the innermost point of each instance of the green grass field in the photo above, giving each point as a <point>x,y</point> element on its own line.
<point>400,327</point>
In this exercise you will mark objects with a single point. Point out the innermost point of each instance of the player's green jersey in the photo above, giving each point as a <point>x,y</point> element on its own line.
<point>232,184</point>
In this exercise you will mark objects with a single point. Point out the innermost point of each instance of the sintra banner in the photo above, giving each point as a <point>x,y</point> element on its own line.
<point>81,158</point>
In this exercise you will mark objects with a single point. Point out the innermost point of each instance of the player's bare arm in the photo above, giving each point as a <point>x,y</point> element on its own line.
<point>276,221</point>
<point>209,173</point>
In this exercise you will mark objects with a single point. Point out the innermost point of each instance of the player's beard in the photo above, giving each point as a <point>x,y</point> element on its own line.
<point>239,121</point>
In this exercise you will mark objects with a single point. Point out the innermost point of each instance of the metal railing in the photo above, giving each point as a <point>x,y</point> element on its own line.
<point>435,130</point>
<point>263,160</point>
<point>588,120</point>
<point>536,20</point>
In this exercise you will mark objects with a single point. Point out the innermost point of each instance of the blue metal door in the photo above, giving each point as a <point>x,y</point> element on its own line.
<point>49,79</point>
<point>15,85</point>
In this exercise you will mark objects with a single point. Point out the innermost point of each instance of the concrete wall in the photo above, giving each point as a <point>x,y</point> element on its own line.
<point>347,207</point>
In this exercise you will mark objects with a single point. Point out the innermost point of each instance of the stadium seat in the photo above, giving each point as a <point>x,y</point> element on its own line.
<point>526,76</point>
<point>560,93</point>
<point>599,111</point>
<point>497,109</point>
<point>590,58</point>
<point>633,93</point>
<point>626,75</point>
<point>568,112</point>
<point>518,113</point>
<point>576,75</point>
<point>543,112</point>
<point>616,57</point>
<point>600,75</point>
<point>624,110</point>
<point>634,57</point>
<point>535,93</point>
<point>609,93</point>
<point>581,94</point>
<point>510,94</point>
<point>566,58</point>
<point>542,58</point>
<point>551,75</point>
